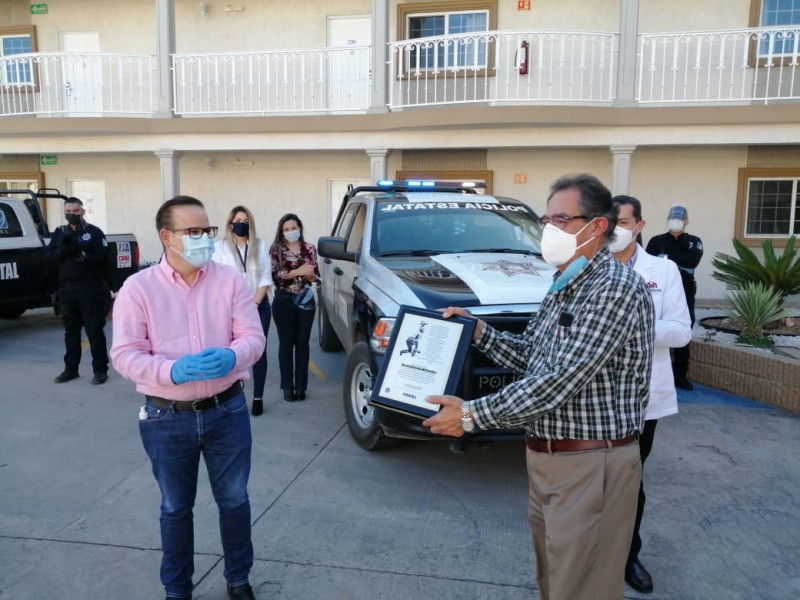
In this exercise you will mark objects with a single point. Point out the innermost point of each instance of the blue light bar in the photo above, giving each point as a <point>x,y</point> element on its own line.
<point>427,183</point>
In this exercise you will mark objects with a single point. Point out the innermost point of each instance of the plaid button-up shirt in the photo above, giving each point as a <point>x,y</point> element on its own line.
<point>585,359</point>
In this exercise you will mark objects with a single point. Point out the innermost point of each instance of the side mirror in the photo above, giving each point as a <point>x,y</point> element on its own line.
<point>335,248</point>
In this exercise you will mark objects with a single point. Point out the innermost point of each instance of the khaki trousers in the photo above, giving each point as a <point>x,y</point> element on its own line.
<point>581,510</point>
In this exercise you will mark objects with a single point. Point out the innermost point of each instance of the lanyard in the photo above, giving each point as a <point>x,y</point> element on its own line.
<point>242,259</point>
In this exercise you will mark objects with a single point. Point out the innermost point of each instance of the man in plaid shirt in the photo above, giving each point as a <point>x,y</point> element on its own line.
<point>585,362</point>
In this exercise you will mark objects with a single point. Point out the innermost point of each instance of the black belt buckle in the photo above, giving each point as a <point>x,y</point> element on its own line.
<point>199,406</point>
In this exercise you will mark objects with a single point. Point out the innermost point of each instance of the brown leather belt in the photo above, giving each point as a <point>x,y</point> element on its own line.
<point>574,445</point>
<point>197,405</point>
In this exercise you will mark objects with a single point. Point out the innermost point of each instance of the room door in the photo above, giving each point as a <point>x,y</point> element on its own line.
<point>82,75</point>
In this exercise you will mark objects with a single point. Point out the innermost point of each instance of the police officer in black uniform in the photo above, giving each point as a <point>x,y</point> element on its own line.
<point>80,251</point>
<point>685,251</point>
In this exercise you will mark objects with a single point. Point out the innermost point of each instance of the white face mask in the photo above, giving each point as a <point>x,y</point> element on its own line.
<point>558,246</point>
<point>292,236</point>
<point>675,225</point>
<point>623,239</point>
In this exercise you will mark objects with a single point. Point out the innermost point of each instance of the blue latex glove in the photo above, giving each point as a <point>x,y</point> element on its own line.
<point>187,368</point>
<point>216,362</point>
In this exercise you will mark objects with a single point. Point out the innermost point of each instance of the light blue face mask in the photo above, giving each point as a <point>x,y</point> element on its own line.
<point>196,251</point>
<point>573,269</point>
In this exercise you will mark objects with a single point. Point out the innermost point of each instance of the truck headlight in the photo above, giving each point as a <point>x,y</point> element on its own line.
<point>379,340</point>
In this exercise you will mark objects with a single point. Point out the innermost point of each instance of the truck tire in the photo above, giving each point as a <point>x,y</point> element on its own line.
<point>11,312</point>
<point>361,418</point>
<point>327,336</point>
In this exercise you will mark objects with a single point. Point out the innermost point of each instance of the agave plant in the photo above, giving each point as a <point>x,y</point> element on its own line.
<point>781,273</point>
<point>755,305</point>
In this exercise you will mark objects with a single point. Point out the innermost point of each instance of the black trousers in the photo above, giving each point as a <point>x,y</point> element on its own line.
<point>294,330</point>
<point>645,445</point>
<point>84,306</point>
<point>680,356</point>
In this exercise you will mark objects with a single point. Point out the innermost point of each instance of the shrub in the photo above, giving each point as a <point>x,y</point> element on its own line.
<point>781,273</point>
<point>755,305</point>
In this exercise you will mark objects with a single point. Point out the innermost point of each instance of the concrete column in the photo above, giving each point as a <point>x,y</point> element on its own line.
<point>377,164</point>
<point>165,21</point>
<point>621,166</point>
<point>170,173</point>
<point>628,46</point>
<point>380,37</point>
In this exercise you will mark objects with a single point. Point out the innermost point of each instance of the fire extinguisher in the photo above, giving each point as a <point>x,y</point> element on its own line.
<point>523,55</point>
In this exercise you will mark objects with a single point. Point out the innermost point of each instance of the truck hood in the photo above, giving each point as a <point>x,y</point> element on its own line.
<point>468,279</point>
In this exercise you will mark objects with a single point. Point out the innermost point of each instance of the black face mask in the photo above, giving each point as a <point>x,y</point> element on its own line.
<point>241,229</point>
<point>73,219</point>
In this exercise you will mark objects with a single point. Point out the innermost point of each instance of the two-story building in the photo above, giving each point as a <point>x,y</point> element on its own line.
<point>279,105</point>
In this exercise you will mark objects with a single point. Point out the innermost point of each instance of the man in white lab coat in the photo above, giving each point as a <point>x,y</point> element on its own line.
<point>673,330</point>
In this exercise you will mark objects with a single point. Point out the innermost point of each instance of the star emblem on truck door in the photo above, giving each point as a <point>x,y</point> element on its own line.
<point>511,268</point>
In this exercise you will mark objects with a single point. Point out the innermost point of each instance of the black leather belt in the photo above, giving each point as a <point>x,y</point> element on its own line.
<point>197,405</point>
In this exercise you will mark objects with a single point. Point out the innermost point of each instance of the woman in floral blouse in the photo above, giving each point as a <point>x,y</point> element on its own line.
<point>294,271</point>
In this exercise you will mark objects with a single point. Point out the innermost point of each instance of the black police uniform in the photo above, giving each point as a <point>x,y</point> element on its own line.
<point>685,251</point>
<point>82,259</point>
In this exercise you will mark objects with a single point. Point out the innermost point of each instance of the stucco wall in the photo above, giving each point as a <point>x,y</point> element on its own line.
<point>690,15</point>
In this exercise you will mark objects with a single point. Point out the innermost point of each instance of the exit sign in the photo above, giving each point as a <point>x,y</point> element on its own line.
<point>38,9</point>
<point>48,159</point>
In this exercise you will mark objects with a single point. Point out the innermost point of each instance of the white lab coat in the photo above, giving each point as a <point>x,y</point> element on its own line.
<point>673,327</point>
<point>257,277</point>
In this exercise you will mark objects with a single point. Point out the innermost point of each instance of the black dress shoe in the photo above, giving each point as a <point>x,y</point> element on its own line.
<point>66,376</point>
<point>241,592</point>
<point>288,395</point>
<point>189,597</point>
<point>638,578</point>
<point>258,407</point>
<point>99,378</point>
<point>300,394</point>
<point>684,383</point>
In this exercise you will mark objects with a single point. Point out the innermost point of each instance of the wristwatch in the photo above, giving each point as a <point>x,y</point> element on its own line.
<point>467,424</point>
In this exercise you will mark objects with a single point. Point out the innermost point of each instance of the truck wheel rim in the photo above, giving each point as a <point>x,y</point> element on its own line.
<point>361,389</point>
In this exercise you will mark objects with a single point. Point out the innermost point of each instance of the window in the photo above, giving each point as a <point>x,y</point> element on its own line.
<point>776,13</point>
<point>9,223</point>
<point>13,41</point>
<point>769,204</point>
<point>442,20</point>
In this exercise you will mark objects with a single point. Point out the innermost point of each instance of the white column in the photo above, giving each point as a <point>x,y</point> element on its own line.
<point>170,173</point>
<point>621,166</point>
<point>628,41</point>
<point>380,37</point>
<point>377,164</point>
<point>165,20</point>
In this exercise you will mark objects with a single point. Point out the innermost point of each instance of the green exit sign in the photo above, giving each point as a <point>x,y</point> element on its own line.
<point>48,159</point>
<point>38,9</point>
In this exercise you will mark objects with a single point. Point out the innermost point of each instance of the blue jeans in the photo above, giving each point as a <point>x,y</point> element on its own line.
<point>260,367</point>
<point>174,441</point>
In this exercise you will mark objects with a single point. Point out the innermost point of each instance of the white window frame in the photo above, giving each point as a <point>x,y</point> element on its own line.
<point>28,32</point>
<point>747,176</point>
<point>774,46</point>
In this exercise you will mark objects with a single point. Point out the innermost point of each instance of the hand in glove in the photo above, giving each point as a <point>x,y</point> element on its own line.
<point>69,247</point>
<point>217,362</point>
<point>187,368</point>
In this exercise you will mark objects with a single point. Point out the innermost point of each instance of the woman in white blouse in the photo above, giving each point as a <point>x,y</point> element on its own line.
<point>242,250</point>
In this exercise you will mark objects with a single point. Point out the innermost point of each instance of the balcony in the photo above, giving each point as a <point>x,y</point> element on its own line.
<point>60,84</point>
<point>737,66</point>
<point>504,67</point>
<point>497,68</point>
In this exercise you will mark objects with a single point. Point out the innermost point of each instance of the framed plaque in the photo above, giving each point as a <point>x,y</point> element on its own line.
<point>426,355</point>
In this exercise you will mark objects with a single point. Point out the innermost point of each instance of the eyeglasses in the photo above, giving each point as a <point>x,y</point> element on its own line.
<point>560,221</point>
<point>197,232</point>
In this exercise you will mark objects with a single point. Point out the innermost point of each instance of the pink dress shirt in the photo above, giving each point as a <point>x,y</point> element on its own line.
<point>158,318</point>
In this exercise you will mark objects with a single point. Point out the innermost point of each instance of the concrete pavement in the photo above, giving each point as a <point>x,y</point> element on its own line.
<point>79,506</point>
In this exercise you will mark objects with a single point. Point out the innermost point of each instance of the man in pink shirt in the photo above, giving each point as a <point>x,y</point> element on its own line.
<point>186,331</point>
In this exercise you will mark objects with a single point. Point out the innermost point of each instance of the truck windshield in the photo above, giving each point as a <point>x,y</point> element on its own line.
<point>424,228</point>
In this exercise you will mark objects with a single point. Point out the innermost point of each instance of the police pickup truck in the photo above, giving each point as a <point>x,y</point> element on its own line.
<point>25,279</point>
<point>427,245</point>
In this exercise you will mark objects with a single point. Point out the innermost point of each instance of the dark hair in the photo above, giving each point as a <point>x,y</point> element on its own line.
<point>595,198</point>
<point>622,200</point>
<point>164,214</point>
<point>279,239</point>
<point>74,200</point>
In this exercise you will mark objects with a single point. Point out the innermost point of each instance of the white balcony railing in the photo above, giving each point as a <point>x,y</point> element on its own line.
<point>531,67</point>
<point>742,65</point>
<point>279,81</point>
<point>49,84</point>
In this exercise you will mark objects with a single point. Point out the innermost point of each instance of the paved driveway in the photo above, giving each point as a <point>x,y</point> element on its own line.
<point>79,506</point>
